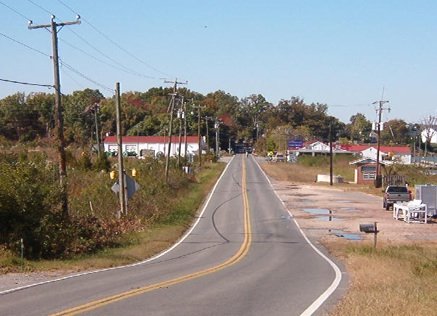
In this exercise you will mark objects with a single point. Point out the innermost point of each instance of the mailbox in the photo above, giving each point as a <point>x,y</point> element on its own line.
<point>368,228</point>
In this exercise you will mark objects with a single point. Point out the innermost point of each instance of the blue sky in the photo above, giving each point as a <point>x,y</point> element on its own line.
<point>343,53</point>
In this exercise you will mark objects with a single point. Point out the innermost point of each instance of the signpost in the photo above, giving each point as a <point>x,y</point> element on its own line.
<point>131,186</point>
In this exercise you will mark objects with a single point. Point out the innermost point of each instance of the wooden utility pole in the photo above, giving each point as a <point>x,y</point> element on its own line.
<point>330,155</point>
<point>199,122</point>
<point>121,178</point>
<point>185,129</point>
<point>96,109</point>
<point>181,115</point>
<point>379,109</point>
<point>170,129</point>
<point>53,26</point>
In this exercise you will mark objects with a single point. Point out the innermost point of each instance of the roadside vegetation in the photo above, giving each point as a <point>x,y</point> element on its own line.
<point>390,280</point>
<point>92,236</point>
<point>395,279</point>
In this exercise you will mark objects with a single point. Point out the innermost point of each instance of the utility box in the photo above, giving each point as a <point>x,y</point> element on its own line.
<point>428,195</point>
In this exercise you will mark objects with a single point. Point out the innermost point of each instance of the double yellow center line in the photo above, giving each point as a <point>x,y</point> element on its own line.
<point>240,254</point>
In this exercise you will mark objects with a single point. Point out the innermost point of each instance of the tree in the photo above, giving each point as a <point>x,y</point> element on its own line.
<point>395,132</point>
<point>251,113</point>
<point>19,121</point>
<point>44,104</point>
<point>78,122</point>
<point>429,129</point>
<point>359,128</point>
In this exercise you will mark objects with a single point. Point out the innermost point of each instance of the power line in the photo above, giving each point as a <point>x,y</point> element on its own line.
<point>126,69</point>
<point>41,7</point>
<point>16,11</point>
<point>25,45</point>
<point>94,57</point>
<point>27,83</point>
<point>115,43</point>
<point>77,72</point>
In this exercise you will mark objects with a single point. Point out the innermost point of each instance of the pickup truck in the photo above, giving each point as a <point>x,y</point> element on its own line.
<point>395,193</point>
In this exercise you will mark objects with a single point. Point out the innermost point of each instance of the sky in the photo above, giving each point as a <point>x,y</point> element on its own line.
<point>346,54</point>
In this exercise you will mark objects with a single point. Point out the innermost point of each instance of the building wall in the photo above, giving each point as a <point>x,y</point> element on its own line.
<point>192,148</point>
<point>365,173</point>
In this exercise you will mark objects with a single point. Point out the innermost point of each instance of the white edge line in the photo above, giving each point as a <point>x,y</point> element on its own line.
<point>187,233</point>
<point>325,295</point>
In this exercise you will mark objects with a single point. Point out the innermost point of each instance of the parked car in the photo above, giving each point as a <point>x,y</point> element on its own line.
<point>395,193</point>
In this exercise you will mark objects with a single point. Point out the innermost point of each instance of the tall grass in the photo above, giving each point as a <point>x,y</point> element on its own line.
<point>393,280</point>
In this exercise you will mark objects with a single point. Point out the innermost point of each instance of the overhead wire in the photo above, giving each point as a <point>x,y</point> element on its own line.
<point>25,45</point>
<point>14,10</point>
<point>92,56</point>
<point>126,69</point>
<point>120,66</point>
<point>114,42</point>
<point>77,72</point>
<point>27,83</point>
<point>41,7</point>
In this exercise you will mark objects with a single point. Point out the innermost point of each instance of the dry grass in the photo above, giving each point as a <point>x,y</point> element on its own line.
<point>392,280</point>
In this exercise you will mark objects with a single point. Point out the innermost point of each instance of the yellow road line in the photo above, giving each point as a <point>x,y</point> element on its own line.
<point>240,254</point>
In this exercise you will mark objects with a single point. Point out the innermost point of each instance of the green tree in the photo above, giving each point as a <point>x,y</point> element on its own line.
<point>395,132</point>
<point>78,119</point>
<point>359,128</point>
<point>19,121</point>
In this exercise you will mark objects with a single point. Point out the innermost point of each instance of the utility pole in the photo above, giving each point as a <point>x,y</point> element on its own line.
<point>96,109</point>
<point>207,134</point>
<point>121,179</point>
<point>53,26</point>
<point>199,122</point>
<point>170,129</point>
<point>181,115</point>
<point>379,109</point>
<point>185,129</point>
<point>217,133</point>
<point>330,155</point>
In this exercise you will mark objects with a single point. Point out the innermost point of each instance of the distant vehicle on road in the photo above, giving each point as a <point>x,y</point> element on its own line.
<point>395,193</point>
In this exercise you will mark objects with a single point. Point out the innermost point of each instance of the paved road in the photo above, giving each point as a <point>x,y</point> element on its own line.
<point>245,256</point>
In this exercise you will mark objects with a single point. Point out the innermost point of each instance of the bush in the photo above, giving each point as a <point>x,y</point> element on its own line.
<point>29,191</point>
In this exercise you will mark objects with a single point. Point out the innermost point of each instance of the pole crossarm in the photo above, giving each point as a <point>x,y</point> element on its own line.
<point>379,110</point>
<point>58,105</point>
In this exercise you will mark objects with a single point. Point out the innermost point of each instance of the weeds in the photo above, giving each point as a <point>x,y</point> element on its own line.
<point>393,280</point>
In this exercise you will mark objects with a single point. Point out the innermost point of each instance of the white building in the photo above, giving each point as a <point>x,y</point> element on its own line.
<point>152,145</point>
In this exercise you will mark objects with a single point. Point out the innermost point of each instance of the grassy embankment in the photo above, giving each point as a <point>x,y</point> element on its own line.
<point>390,280</point>
<point>135,246</point>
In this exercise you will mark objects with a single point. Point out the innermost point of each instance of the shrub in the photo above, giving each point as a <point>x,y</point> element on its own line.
<point>29,191</point>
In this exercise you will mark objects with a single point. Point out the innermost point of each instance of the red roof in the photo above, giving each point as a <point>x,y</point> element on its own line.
<point>386,149</point>
<point>148,139</point>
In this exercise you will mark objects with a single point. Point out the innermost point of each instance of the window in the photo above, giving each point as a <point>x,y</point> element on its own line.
<point>368,172</point>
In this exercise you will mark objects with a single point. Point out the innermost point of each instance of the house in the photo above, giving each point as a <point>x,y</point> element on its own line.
<point>152,145</point>
<point>318,147</point>
<point>399,154</point>
<point>365,171</point>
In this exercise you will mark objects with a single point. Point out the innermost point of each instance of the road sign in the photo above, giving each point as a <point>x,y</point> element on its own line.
<point>295,143</point>
<point>131,186</point>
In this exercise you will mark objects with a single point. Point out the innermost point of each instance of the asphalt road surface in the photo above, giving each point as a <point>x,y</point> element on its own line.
<point>244,256</point>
